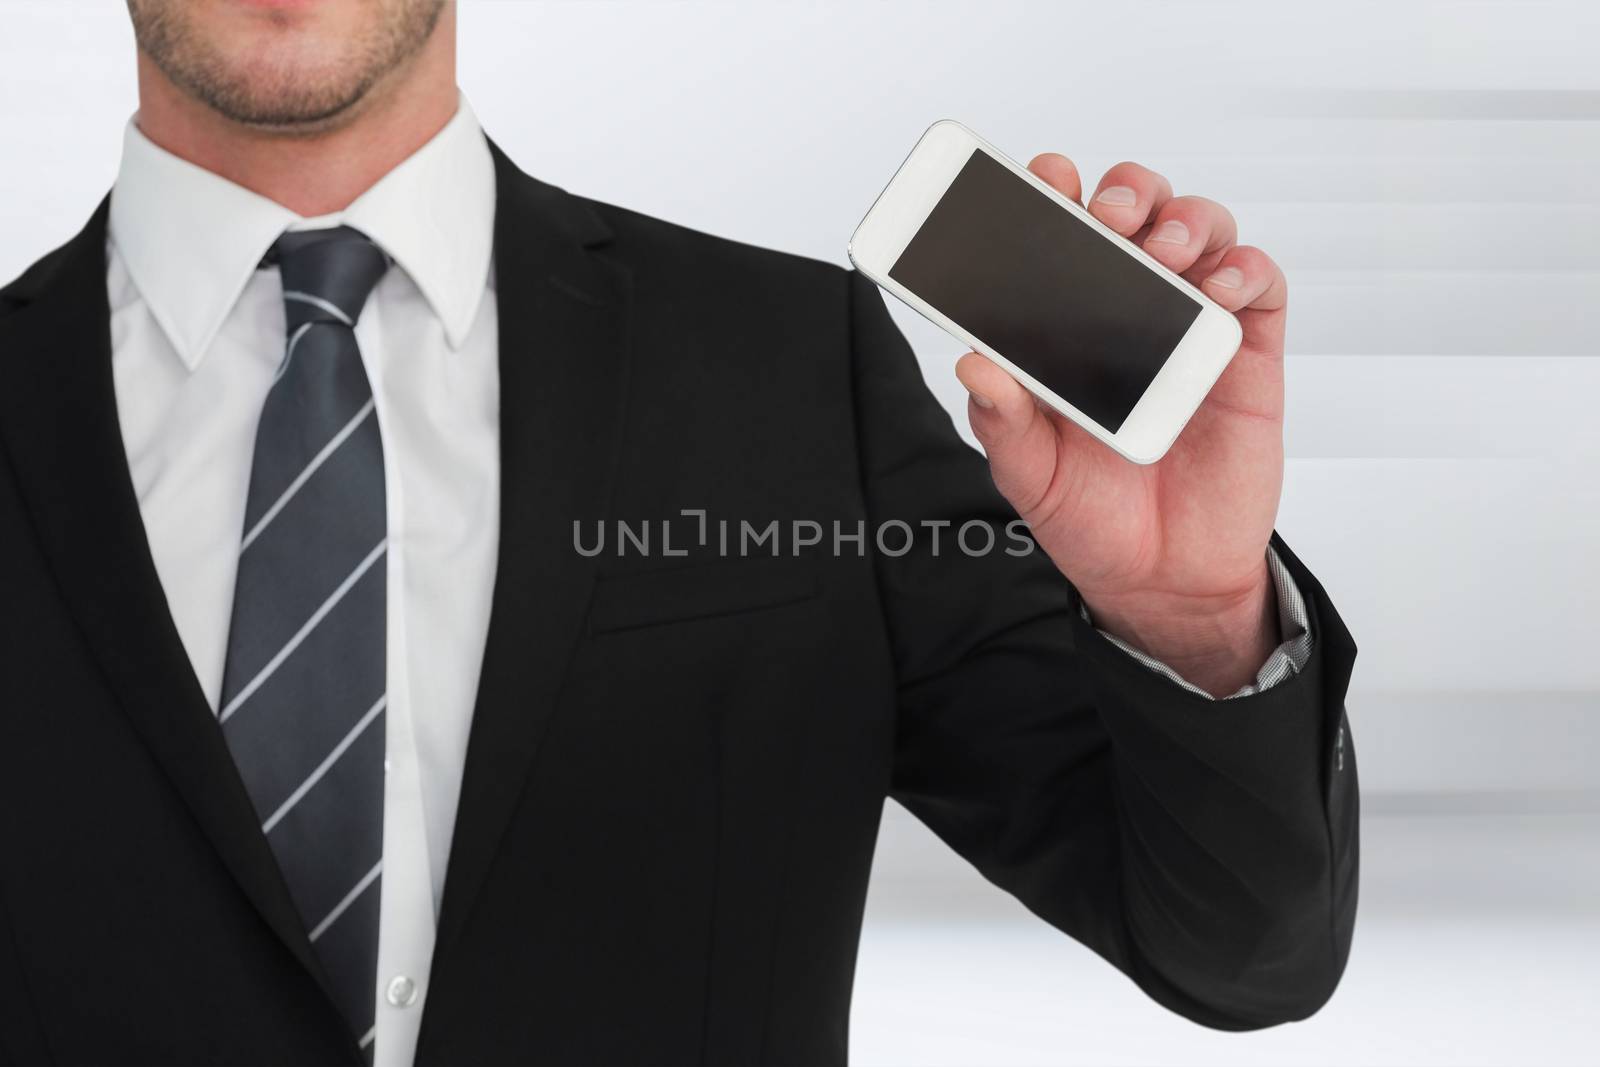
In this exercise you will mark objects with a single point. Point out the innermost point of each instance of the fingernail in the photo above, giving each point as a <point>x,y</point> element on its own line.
<point>1228,278</point>
<point>981,400</point>
<point>1171,232</point>
<point>1117,196</point>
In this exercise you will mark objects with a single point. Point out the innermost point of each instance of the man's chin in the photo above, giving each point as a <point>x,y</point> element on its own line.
<point>293,116</point>
<point>283,69</point>
<point>288,102</point>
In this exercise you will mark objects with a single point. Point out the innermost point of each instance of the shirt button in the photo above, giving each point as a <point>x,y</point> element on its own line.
<point>402,991</point>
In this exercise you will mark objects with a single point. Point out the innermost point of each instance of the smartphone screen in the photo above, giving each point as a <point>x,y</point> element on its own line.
<point>1045,290</point>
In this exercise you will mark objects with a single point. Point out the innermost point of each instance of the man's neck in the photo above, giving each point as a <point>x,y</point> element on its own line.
<point>310,173</point>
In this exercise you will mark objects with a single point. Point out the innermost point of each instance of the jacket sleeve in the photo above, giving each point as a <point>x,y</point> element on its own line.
<point>1208,849</point>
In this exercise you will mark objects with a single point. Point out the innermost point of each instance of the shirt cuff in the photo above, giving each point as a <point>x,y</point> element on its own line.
<point>1287,660</point>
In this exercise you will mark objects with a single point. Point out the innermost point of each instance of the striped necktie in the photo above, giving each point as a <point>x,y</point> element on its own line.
<point>303,693</point>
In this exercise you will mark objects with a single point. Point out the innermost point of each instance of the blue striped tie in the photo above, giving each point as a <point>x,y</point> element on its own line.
<point>303,693</point>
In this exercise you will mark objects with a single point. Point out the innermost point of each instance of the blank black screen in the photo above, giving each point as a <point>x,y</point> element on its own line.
<point>1031,281</point>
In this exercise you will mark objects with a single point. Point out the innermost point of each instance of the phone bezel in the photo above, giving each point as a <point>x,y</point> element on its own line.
<point>1186,376</point>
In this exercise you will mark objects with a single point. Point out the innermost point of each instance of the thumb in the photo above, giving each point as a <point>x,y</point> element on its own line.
<point>1017,436</point>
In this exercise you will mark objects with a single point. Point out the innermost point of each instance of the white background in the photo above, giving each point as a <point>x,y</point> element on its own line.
<point>1426,174</point>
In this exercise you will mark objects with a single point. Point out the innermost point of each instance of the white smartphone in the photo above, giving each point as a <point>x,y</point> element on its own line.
<point>1089,323</point>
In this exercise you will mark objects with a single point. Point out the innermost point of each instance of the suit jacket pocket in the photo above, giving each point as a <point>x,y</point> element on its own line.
<point>699,591</point>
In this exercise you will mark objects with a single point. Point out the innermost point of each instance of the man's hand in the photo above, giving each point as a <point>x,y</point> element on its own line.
<point>1170,557</point>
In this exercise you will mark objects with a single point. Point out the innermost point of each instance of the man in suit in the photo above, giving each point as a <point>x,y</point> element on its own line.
<point>325,739</point>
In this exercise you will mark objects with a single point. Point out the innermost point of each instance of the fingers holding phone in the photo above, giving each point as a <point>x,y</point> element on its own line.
<point>1189,235</point>
<point>1061,173</point>
<point>1250,284</point>
<point>1136,323</point>
<point>1128,196</point>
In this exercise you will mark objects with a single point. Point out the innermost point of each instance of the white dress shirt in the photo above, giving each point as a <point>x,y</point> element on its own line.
<point>197,333</point>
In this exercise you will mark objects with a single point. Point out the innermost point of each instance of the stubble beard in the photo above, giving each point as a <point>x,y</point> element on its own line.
<point>283,95</point>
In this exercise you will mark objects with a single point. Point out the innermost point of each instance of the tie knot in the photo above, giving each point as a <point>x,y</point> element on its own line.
<point>327,274</point>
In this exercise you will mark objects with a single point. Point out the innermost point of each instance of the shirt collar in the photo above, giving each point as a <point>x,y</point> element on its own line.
<point>191,239</point>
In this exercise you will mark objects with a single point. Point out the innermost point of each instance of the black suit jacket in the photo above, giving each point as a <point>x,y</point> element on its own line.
<point>677,764</point>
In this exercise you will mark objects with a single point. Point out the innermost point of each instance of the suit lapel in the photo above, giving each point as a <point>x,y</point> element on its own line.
<point>59,425</point>
<point>563,314</point>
